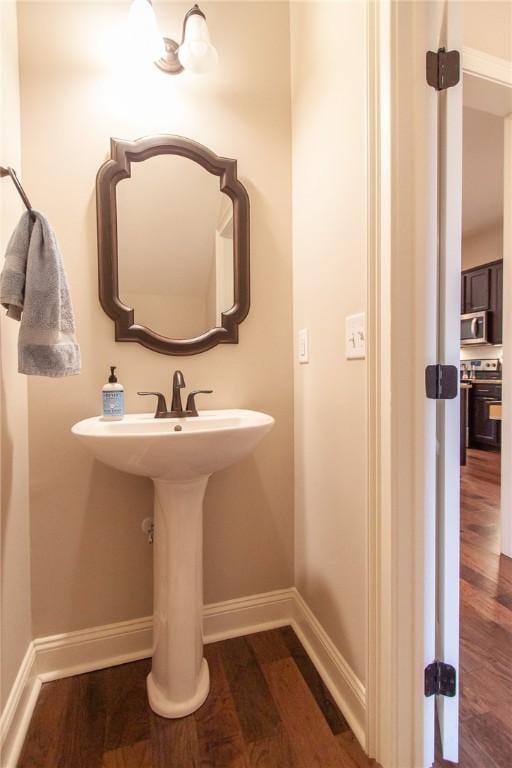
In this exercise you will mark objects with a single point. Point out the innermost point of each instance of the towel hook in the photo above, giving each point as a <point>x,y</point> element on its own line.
<point>12,173</point>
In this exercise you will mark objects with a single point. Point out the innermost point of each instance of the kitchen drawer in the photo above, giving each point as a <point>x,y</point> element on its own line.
<point>487,390</point>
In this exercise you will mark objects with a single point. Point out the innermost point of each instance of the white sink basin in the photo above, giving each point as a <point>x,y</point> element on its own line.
<point>179,455</point>
<point>143,445</point>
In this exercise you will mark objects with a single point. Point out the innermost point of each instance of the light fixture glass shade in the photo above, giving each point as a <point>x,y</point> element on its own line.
<point>196,53</point>
<point>146,40</point>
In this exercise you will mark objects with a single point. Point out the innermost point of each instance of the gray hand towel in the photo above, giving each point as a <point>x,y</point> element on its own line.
<point>34,289</point>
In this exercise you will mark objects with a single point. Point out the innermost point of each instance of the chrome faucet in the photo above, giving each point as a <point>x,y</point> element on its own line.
<point>177,412</point>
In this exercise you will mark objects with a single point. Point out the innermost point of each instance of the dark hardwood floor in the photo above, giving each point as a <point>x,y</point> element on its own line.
<point>268,708</point>
<point>486,621</point>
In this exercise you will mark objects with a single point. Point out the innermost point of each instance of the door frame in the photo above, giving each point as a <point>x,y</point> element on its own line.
<point>401,265</point>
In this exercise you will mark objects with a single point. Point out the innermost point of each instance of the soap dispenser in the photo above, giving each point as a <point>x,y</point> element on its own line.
<point>113,398</point>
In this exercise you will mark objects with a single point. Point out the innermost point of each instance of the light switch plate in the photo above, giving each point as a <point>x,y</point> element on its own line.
<point>355,337</point>
<point>303,346</point>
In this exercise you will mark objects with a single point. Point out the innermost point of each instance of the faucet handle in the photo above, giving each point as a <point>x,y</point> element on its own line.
<point>190,408</point>
<point>161,406</point>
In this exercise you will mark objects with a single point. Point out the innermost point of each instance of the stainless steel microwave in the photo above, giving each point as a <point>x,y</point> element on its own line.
<point>474,328</point>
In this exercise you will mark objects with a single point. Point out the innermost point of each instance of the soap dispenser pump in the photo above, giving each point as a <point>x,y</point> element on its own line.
<point>113,398</point>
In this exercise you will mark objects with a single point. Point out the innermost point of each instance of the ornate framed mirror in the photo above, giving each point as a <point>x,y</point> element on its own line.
<point>173,245</point>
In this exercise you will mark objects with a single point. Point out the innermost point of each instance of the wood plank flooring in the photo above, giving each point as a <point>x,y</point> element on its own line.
<point>268,708</point>
<point>486,621</point>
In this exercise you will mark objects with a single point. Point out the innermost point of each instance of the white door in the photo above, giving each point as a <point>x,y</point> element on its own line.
<point>449,175</point>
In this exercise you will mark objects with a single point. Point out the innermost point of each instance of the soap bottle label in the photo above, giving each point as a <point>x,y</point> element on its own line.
<point>113,403</point>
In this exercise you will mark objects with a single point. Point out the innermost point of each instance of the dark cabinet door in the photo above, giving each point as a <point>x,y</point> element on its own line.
<point>481,291</point>
<point>496,317</point>
<point>483,431</point>
<point>477,290</point>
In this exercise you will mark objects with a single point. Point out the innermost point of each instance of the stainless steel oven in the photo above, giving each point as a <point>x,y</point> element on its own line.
<point>474,328</point>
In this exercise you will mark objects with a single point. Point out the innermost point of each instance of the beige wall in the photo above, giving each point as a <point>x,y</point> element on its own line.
<point>482,172</point>
<point>15,623</point>
<point>482,247</point>
<point>328,55</point>
<point>91,563</point>
<point>488,26</point>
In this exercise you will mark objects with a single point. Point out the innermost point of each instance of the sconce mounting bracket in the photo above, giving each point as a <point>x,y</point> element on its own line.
<point>169,62</point>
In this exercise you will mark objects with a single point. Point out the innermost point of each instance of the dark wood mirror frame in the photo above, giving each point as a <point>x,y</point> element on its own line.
<point>123,153</point>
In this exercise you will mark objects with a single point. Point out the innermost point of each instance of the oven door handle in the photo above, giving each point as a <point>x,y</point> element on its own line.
<point>474,327</point>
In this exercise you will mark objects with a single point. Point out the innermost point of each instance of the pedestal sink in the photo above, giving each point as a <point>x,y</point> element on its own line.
<point>179,455</point>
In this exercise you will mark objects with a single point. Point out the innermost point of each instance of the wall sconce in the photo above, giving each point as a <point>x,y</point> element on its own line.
<point>195,53</point>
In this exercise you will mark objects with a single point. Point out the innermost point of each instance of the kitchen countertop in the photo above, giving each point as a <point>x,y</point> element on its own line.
<point>481,381</point>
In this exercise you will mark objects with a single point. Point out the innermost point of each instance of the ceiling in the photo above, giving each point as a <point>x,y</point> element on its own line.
<point>482,171</point>
<point>487,96</point>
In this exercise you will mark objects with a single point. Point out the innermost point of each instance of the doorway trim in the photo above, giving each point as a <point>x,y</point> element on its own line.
<point>487,67</point>
<point>401,424</point>
<point>400,588</point>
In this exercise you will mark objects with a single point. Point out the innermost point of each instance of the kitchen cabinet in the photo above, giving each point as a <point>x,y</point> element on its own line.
<point>484,432</point>
<point>477,290</point>
<point>496,304</point>
<point>482,290</point>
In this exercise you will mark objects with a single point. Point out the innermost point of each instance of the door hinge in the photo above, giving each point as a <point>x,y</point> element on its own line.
<point>443,69</point>
<point>440,679</point>
<point>441,381</point>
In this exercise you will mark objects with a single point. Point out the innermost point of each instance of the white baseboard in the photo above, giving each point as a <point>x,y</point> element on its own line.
<point>72,653</point>
<point>18,710</point>
<point>246,615</point>
<point>344,686</point>
<point>85,650</point>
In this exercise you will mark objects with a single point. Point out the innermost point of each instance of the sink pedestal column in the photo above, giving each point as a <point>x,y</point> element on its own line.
<point>179,680</point>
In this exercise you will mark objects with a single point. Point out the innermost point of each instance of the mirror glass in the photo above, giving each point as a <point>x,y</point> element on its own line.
<point>175,246</point>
